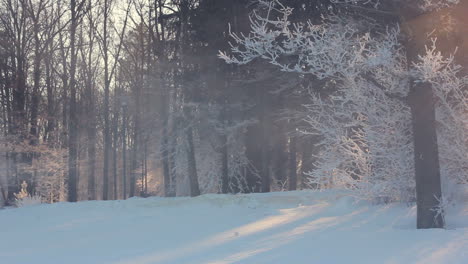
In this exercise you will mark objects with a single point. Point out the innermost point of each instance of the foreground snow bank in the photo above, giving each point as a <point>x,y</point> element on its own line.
<point>290,227</point>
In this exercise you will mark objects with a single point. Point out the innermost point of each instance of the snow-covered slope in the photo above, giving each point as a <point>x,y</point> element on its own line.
<point>290,227</point>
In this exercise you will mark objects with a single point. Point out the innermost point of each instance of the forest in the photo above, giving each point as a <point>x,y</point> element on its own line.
<point>111,99</point>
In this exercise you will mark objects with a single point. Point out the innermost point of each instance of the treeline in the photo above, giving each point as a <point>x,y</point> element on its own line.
<point>113,98</point>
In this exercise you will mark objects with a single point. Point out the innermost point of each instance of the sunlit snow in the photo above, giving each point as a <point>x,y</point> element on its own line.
<point>290,227</point>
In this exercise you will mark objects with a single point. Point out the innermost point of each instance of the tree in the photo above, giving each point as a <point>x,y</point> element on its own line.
<point>353,59</point>
<point>425,94</point>
<point>76,9</point>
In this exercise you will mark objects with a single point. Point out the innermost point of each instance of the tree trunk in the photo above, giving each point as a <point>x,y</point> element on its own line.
<point>306,161</point>
<point>35,92</point>
<point>145,191</point>
<point>224,164</point>
<point>292,164</point>
<point>171,157</point>
<point>188,96</point>
<point>50,128</point>
<point>266,125</point>
<point>134,156</point>
<point>165,158</point>
<point>107,138</point>
<point>192,165</point>
<point>124,151</point>
<point>428,185</point>
<point>115,147</point>
<point>91,113</point>
<point>73,125</point>
<point>253,152</point>
<point>19,99</point>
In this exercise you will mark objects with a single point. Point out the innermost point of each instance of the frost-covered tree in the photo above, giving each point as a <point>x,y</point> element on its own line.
<point>364,122</point>
<point>45,175</point>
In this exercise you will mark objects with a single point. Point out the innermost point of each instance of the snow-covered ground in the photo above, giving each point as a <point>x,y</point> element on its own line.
<point>290,228</point>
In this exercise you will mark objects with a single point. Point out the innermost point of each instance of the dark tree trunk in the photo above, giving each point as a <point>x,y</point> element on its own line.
<point>91,129</point>
<point>306,161</point>
<point>265,169</point>
<point>266,125</point>
<point>107,137</point>
<point>159,29</point>
<point>253,148</point>
<point>145,191</point>
<point>73,126</point>
<point>188,97</point>
<point>6,100</point>
<point>192,165</point>
<point>292,164</point>
<point>165,158</point>
<point>224,120</point>
<point>224,164</point>
<point>428,185</point>
<point>19,100</point>
<point>124,151</point>
<point>134,157</point>
<point>35,96</point>
<point>171,157</point>
<point>50,128</point>
<point>114,148</point>
<point>164,103</point>
<point>92,156</point>
<point>65,82</point>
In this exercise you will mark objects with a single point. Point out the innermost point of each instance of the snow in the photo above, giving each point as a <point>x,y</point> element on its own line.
<point>288,227</point>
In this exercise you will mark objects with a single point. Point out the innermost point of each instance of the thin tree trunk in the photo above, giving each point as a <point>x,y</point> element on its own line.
<point>89,98</point>
<point>124,151</point>
<point>171,159</point>
<point>223,117</point>
<point>107,138</point>
<point>91,131</point>
<point>65,83</point>
<point>192,165</point>
<point>114,149</point>
<point>165,158</point>
<point>165,98</point>
<point>306,161</point>
<point>265,124</point>
<point>35,92</point>
<point>146,170</point>
<point>224,164</point>
<point>50,128</point>
<point>134,158</point>
<point>73,126</point>
<point>292,164</point>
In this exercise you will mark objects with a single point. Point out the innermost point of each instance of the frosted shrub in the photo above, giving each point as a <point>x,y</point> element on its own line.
<point>23,198</point>
<point>28,201</point>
